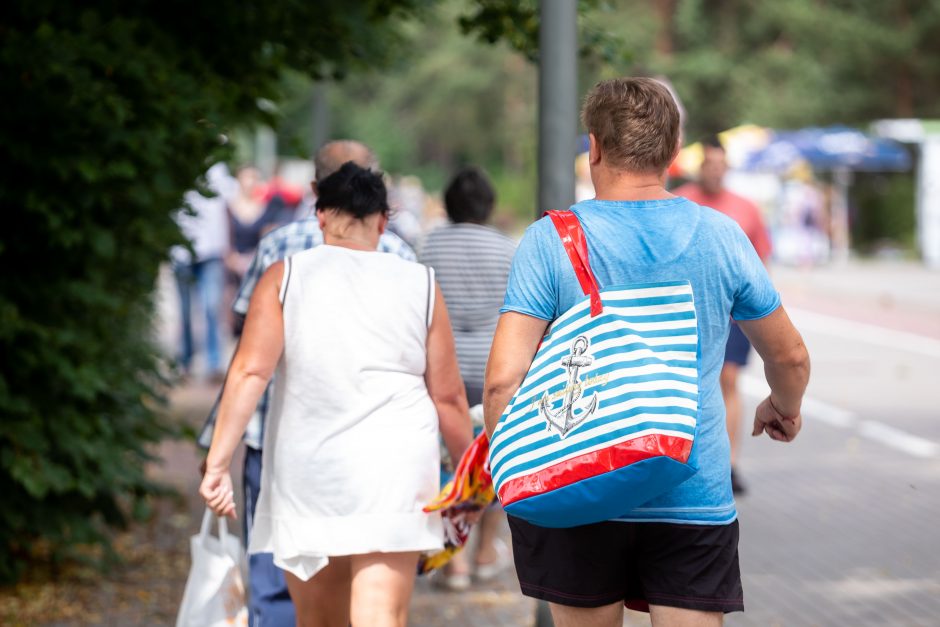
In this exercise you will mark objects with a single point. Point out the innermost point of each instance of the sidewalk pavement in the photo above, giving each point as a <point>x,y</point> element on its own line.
<point>897,295</point>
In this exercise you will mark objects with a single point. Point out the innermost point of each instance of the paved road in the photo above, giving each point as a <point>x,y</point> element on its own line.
<point>841,527</point>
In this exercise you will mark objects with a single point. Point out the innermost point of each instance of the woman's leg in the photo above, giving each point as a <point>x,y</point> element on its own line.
<point>489,527</point>
<point>381,588</point>
<point>322,600</point>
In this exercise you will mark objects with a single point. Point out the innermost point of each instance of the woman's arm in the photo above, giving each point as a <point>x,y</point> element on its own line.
<point>444,383</point>
<point>515,342</point>
<point>253,366</point>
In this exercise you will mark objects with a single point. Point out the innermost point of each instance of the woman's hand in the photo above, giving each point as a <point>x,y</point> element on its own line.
<point>216,489</point>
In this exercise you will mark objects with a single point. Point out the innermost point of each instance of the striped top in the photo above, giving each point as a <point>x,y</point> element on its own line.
<point>472,264</point>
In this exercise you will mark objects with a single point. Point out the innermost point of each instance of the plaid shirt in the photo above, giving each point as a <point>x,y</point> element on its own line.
<point>279,244</point>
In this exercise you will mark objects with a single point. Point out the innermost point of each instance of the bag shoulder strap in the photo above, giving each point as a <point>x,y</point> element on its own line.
<point>573,239</point>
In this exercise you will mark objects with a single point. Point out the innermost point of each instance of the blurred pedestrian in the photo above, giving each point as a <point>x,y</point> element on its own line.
<point>247,218</point>
<point>269,602</point>
<point>407,198</point>
<point>710,191</point>
<point>471,261</point>
<point>366,382</point>
<point>283,197</point>
<point>256,209</point>
<point>675,555</point>
<point>201,268</point>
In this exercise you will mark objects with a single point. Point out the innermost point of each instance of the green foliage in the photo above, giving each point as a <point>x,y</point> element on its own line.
<point>783,64</point>
<point>883,210</point>
<point>111,111</point>
<point>448,101</point>
<point>794,63</point>
<point>517,24</point>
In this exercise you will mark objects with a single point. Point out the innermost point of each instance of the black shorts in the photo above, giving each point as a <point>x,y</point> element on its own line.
<point>639,564</point>
<point>738,347</point>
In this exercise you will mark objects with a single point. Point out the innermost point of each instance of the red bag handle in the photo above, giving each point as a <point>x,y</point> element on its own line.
<point>572,238</point>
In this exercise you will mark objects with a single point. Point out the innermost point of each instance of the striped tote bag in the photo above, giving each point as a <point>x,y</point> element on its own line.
<point>605,418</point>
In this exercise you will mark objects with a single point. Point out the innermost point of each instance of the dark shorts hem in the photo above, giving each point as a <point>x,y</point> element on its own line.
<point>571,600</point>
<point>693,603</point>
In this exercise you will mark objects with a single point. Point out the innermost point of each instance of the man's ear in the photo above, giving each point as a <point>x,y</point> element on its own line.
<point>675,153</point>
<point>594,150</point>
<point>383,222</point>
<point>321,218</point>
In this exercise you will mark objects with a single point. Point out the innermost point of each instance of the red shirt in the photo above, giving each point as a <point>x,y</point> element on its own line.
<point>738,208</point>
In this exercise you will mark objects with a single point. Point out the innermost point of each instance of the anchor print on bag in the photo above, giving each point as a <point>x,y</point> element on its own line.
<point>565,418</point>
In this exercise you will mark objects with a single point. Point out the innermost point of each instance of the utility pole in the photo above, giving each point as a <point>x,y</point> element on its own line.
<point>320,115</point>
<point>558,127</point>
<point>558,102</point>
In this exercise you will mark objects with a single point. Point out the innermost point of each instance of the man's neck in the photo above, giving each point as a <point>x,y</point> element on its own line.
<point>619,185</point>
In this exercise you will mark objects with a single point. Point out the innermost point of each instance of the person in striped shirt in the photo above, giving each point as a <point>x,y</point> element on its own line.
<point>471,261</point>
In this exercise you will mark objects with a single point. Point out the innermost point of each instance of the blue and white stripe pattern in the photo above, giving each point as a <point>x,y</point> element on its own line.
<point>644,372</point>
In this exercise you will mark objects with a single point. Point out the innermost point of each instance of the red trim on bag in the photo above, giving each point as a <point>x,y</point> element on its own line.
<point>595,463</point>
<point>572,238</point>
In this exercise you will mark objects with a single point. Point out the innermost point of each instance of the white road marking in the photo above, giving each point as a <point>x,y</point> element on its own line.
<point>896,438</point>
<point>811,321</point>
<point>838,417</point>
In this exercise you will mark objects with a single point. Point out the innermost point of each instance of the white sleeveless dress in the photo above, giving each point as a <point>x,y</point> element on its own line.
<point>351,446</point>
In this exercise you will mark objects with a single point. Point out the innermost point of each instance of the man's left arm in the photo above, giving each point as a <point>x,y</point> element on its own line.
<point>515,343</point>
<point>255,269</point>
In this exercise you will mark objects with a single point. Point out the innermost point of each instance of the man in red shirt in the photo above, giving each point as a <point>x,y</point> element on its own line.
<point>710,192</point>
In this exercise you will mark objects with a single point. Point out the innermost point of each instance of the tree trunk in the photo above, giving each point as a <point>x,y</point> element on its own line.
<point>666,12</point>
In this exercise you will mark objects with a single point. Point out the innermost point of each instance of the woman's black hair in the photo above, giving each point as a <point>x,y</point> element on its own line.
<point>469,197</point>
<point>354,190</point>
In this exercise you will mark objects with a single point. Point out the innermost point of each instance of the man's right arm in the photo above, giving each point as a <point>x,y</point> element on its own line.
<point>786,366</point>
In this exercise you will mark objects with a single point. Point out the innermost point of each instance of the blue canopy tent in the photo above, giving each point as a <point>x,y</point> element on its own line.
<point>840,150</point>
<point>830,149</point>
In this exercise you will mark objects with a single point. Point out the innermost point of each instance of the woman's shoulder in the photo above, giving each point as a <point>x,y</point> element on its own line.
<point>397,266</point>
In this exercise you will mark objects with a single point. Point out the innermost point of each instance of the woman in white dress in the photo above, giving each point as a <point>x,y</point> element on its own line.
<point>367,380</point>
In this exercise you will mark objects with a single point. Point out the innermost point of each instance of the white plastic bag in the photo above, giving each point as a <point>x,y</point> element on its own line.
<point>215,594</point>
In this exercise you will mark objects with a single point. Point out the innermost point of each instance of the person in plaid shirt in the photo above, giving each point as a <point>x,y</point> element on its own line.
<point>269,600</point>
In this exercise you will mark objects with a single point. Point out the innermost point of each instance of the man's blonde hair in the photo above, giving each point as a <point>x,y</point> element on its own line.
<point>635,121</point>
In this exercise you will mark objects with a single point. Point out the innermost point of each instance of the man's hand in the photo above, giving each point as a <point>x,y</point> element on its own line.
<point>777,426</point>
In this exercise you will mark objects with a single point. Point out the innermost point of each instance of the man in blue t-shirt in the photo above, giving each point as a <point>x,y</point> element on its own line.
<point>677,554</point>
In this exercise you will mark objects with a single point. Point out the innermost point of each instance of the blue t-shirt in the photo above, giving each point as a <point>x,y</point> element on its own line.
<point>648,242</point>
